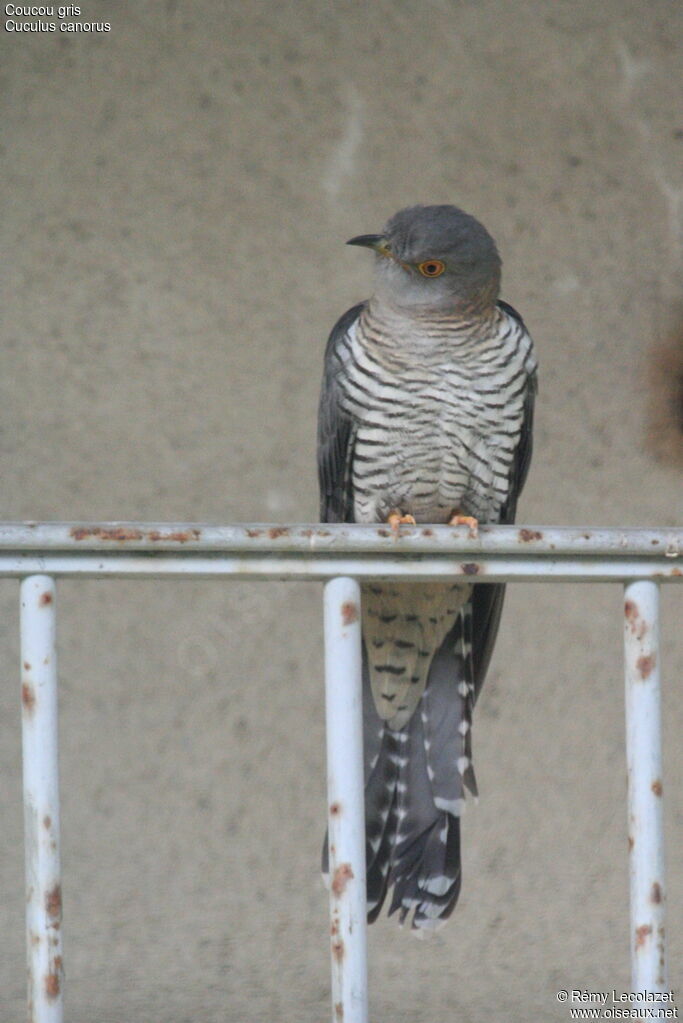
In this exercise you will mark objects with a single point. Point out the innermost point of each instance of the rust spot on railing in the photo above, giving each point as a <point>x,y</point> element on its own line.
<point>124,534</point>
<point>45,599</point>
<point>657,786</point>
<point>339,1010</point>
<point>656,894</point>
<point>275,531</point>
<point>28,697</point>
<point>335,809</point>
<point>527,535</point>
<point>53,903</point>
<point>636,624</point>
<point>471,568</point>
<point>118,533</point>
<point>645,665</point>
<point>47,822</point>
<point>642,934</point>
<point>52,982</point>
<point>338,949</point>
<point>179,536</point>
<point>349,612</point>
<point>342,875</point>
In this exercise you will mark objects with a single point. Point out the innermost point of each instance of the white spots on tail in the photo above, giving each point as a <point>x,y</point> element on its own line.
<point>438,885</point>
<point>341,164</point>
<point>455,807</point>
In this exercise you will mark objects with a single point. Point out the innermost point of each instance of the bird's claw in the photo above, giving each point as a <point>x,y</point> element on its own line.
<point>466,520</point>
<point>395,520</point>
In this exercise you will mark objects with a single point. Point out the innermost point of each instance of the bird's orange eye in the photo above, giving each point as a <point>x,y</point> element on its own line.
<point>431,268</point>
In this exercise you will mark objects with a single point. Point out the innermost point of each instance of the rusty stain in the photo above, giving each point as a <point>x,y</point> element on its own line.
<point>349,612</point>
<point>631,842</point>
<point>338,949</point>
<point>52,986</point>
<point>47,822</point>
<point>342,875</point>
<point>656,895</point>
<point>28,697</point>
<point>254,532</point>
<point>34,938</point>
<point>335,809</point>
<point>645,665</point>
<point>676,571</point>
<point>385,532</point>
<point>642,934</point>
<point>637,626</point>
<point>471,568</point>
<point>27,666</point>
<point>275,531</point>
<point>180,536</point>
<point>119,533</point>
<point>339,1010</point>
<point>53,902</point>
<point>526,535</point>
<point>428,532</point>
<point>657,786</point>
<point>45,599</point>
<point>334,927</point>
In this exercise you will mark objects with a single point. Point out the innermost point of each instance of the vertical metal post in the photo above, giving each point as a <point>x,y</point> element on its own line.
<point>346,806</point>
<point>644,754</point>
<point>41,800</point>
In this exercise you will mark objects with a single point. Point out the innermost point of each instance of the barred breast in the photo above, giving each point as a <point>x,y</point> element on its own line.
<point>438,405</point>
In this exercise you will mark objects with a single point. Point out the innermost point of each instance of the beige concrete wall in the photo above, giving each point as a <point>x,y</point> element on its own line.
<point>177,193</point>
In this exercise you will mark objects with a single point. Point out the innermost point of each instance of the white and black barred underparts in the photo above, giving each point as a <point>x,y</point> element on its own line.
<point>438,407</point>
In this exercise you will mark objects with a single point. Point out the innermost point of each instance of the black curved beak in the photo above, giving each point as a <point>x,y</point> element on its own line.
<point>368,241</point>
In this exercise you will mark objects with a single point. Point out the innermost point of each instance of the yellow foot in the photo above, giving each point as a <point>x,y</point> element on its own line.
<point>466,520</point>
<point>395,520</point>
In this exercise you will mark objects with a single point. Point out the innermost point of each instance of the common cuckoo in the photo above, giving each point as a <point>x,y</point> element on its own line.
<point>425,416</point>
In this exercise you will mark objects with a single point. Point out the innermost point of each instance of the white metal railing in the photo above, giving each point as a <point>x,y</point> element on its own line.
<point>341,555</point>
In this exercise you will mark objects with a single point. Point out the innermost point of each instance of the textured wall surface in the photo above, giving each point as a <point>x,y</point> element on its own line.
<point>177,193</point>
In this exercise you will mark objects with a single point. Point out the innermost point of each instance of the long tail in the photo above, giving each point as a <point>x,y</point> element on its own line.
<point>415,781</point>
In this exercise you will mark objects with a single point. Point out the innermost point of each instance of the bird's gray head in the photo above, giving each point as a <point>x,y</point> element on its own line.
<point>435,258</point>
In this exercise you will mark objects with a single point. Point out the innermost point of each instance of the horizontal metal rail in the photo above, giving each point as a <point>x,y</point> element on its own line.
<point>496,554</point>
<point>343,555</point>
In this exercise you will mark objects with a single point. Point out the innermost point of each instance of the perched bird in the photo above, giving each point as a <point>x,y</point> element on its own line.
<point>425,416</point>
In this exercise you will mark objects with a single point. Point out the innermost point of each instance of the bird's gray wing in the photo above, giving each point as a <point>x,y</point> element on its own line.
<point>487,599</point>
<point>336,430</point>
